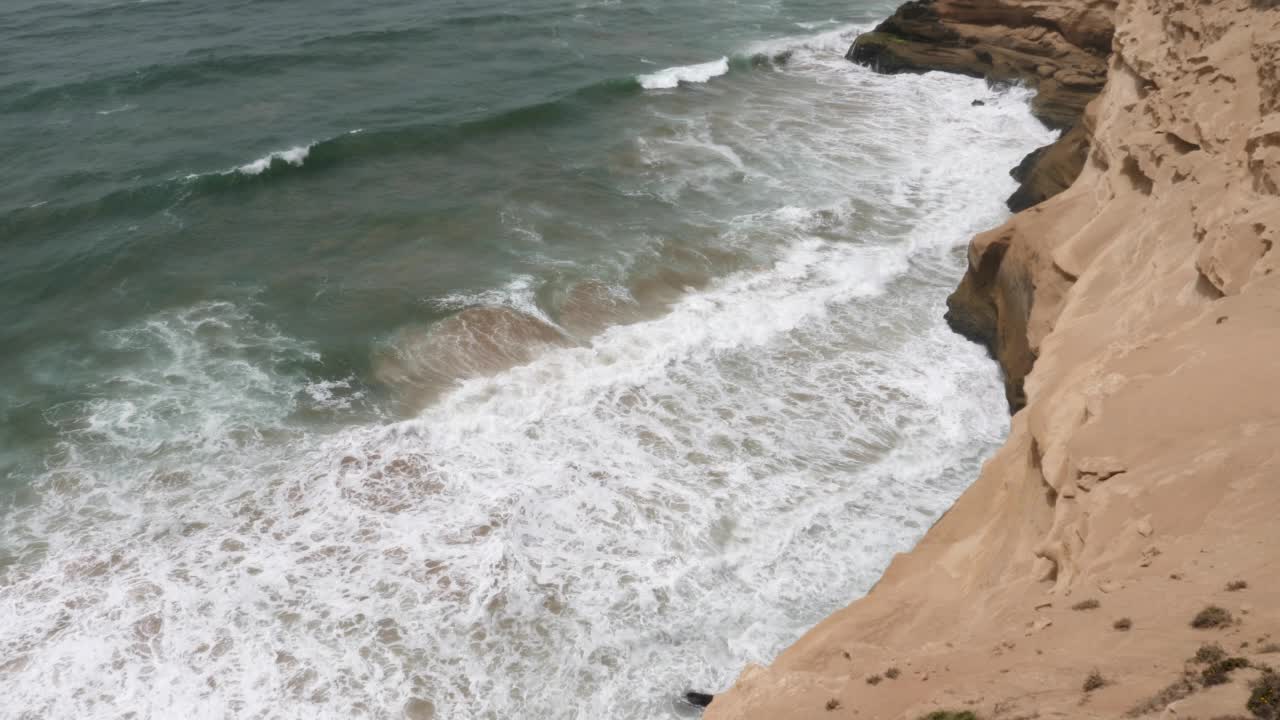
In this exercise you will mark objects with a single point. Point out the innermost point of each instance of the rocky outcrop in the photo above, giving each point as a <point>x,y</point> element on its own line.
<point>1143,473</point>
<point>1051,169</point>
<point>1060,48</point>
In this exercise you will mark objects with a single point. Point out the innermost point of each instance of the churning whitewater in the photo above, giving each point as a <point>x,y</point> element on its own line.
<point>583,500</point>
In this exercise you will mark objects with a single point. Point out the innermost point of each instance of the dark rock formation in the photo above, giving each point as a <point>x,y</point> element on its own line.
<point>1062,53</point>
<point>698,699</point>
<point>1049,170</point>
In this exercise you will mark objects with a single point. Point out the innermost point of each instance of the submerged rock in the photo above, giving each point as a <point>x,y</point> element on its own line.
<point>698,699</point>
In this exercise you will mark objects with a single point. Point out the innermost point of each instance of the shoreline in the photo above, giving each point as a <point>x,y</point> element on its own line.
<point>1064,59</point>
<point>1131,303</point>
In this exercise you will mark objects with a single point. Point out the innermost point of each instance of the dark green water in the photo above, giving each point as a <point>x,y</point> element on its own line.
<point>467,359</point>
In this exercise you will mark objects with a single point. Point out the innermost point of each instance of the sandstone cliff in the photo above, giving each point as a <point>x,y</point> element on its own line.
<point>1142,304</point>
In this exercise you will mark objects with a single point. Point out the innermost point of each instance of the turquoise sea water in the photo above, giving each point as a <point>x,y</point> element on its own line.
<point>483,359</point>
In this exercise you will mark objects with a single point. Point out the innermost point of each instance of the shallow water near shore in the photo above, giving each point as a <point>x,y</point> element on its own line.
<point>471,360</point>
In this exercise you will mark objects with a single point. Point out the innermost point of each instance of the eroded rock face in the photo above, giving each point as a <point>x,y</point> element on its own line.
<point>1143,470</point>
<point>1051,169</point>
<point>1061,49</point>
<point>1058,47</point>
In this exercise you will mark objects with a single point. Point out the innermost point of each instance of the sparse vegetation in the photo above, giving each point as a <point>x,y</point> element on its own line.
<point>1123,623</point>
<point>1090,604</point>
<point>1212,617</point>
<point>1270,648</point>
<point>892,673</point>
<point>949,715</point>
<point>1094,681</point>
<point>1178,690</point>
<point>874,679</point>
<point>833,704</point>
<point>1209,653</point>
<point>1235,585</point>
<point>1219,673</point>
<point>1264,700</point>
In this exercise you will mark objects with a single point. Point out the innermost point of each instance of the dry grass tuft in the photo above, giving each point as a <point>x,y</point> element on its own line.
<point>1212,617</point>
<point>1094,681</point>
<point>1123,623</point>
<point>1172,693</point>
<point>1090,604</point>
<point>1264,700</point>
<point>1209,653</point>
<point>1219,673</point>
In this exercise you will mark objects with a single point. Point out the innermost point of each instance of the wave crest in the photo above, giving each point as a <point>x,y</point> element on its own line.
<point>294,156</point>
<point>673,76</point>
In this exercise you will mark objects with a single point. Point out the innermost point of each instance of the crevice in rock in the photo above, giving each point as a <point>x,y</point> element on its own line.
<point>1133,173</point>
<point>1206,288</point>
<point>1180,145</point>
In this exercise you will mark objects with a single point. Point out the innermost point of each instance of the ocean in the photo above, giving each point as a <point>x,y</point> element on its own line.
<point>468,359</point>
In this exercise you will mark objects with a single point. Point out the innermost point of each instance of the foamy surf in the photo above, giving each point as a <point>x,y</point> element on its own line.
<point>673,76</point>
<point>833,41</point>
<point>578,532</point>
<point>293,156</point>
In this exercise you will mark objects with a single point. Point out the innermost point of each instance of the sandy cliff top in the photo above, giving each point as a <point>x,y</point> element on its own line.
<point>1144,471</point>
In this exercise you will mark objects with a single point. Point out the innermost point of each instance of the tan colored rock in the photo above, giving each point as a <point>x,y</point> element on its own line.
<point>1142,307</point>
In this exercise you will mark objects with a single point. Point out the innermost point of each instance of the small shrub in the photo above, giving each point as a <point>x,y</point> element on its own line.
<point>892,673</point>
<point>1094,681</point>
<point>1090,604</point>
<point>949,715</point>
<point>1264,700</point>
<point>833,704</point>
<point>1219,672</point>
<point>1270,648</point>
<point>1170,694</point>
<point>1235,585</point>
<point>874,679</point>
<point>1123,623</point>
<point>1210,653</point>
<point>1211,617</point>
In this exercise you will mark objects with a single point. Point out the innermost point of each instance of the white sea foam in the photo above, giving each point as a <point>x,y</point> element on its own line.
<point>519,293</point>
<point>673,76</point>
<point>582,536</point>
<point>835,40</point>
<point>294,156</point>
<point>123,108</point>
